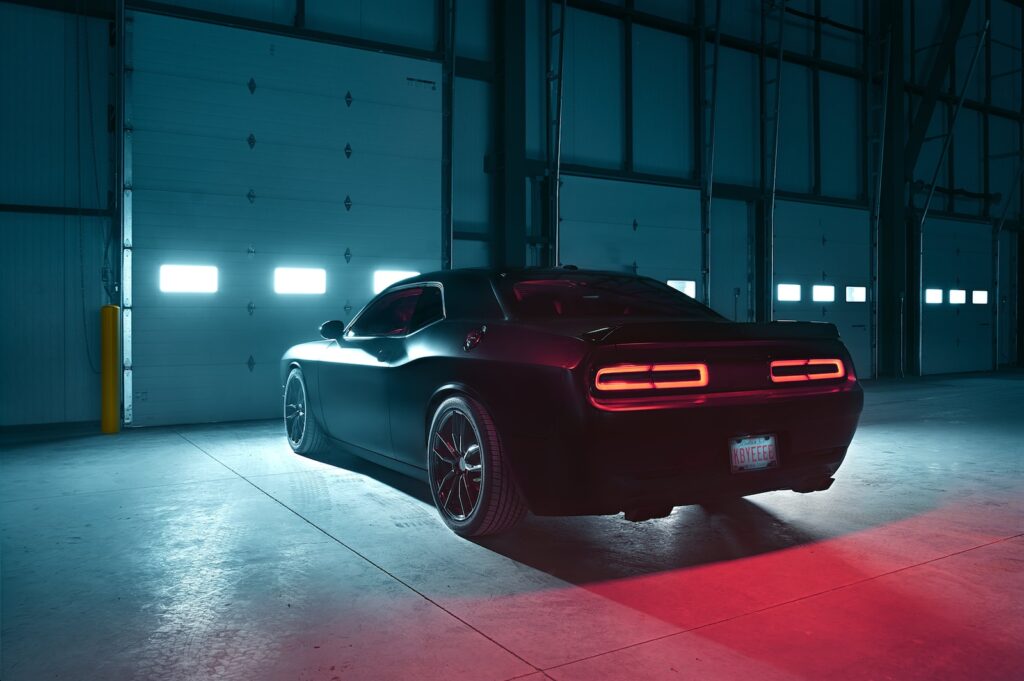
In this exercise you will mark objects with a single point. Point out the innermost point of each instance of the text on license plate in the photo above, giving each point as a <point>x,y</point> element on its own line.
<point>753,453</point>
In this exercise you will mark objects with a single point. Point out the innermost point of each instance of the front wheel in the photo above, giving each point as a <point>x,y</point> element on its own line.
<point>470,480</point>
<point>303,431</point>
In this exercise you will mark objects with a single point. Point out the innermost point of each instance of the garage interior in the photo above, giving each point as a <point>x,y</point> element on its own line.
<point>232,173</point>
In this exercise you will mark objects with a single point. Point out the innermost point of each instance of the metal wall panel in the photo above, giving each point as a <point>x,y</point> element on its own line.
<point>54,85</point>
<point>627,226</point>
<point>731,222</point>
<point>276,11</point>
<point>737,145</point>
<point>957,255</point>
<point>1009,325</point>
<point>412,23</point>
<point>829,245</point>
<point>842,137</point>
<point>594,99</point>
<point>796,147</point>
<point>663,107</point>
<point>49,339</point>
<point>254,151</point>
<point>474,186</point>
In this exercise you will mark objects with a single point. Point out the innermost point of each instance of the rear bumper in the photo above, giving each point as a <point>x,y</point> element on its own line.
<point>618,460</point>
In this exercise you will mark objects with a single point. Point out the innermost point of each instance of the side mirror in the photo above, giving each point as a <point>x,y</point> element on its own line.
<point>333,329</point>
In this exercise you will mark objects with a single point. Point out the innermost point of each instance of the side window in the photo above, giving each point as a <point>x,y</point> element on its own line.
<point>390,315</point>
<point>429,308</point>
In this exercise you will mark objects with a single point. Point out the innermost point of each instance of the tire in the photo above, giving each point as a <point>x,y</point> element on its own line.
<point>300,426</point>
<point>464,455</point>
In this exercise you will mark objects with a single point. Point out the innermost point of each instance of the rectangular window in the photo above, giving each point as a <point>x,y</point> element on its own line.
<point>856,294</point>
<point>933,296</point>
<point>957,296</point>
<point>684,285</point>
<point>788,292</point>
<point>300,280</point>
<point>384,278</point>
<point>979,297</point>
<point>823,293</point>
<point>188,279</point>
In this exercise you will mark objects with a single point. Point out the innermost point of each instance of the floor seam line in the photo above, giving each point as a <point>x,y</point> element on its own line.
<point>789,602</point>
<point>365,558</point>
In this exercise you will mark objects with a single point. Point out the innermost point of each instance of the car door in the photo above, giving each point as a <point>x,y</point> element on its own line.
<point>354,373</point>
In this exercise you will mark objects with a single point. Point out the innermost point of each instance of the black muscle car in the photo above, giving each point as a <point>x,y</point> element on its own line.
<point>564,392</point>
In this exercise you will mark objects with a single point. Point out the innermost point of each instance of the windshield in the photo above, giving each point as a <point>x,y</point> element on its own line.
<point>595,296</point>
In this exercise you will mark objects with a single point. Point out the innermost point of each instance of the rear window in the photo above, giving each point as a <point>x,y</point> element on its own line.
<point>593,296</point>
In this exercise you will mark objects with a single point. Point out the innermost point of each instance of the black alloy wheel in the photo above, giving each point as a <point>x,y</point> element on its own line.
<point>470,481</point>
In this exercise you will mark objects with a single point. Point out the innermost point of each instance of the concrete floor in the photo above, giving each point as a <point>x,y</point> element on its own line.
<point>214,552</point>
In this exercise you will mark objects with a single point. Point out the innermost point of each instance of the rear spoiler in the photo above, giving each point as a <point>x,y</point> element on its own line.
<point>666,332</point>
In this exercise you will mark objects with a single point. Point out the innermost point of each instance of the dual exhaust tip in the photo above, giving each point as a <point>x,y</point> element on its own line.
<point>640,514</point>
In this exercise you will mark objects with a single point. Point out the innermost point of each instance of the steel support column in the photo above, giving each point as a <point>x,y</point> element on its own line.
<point>894,237</point>
<point>512,74</point>
<point>447,24</point>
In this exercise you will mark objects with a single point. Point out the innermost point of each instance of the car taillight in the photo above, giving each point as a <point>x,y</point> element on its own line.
<point>789,370</point>
<point>651,376</point>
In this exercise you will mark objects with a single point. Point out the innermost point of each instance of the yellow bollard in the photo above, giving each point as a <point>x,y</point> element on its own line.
<point>110,368</point>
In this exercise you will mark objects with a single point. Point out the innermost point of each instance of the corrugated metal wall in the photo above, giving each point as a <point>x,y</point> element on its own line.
<point>54,154</point>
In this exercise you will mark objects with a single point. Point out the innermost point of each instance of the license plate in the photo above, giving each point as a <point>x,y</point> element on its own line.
<point>753,453</point>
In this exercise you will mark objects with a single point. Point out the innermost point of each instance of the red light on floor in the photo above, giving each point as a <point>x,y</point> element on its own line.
<point>645,376</point>
<point>798,370</point>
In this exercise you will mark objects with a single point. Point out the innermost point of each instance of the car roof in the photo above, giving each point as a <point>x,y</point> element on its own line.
<point>468,273</point>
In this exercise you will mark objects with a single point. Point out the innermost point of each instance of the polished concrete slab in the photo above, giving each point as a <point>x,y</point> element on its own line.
<point>213,552</point>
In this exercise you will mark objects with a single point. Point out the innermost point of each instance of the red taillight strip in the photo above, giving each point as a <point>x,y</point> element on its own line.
<point>839,369</point>
<point>649,380</point>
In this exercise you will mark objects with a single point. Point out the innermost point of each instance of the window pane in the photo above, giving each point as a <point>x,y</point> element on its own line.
<point>933,296</point>
<point>684,285</point>
<point>788,292</point>
<point>823,293</point>
<point>188,279</point>
<point>592,296</point>
<point>957,296</point>
<point>979,297</point>
<point>429,308</point>
<point>856,294</point>
<point>300,280</point>
<point>384,278</point>
<point>389,315</point>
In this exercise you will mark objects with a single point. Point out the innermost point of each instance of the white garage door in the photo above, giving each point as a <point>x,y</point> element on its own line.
<point>825,251</point>
<point>956,327</point>
<point>252,152</point>
<point>628,226</point>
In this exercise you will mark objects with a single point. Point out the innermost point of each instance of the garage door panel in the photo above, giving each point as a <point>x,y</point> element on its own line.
<point>185,48</point>
<point>830,245</point>
<point>200,165</point>
<point>309,206</point>
<point>957,338</point>
<point>180,105</point>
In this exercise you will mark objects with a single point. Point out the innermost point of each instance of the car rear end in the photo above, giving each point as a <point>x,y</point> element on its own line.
<point>730,410</point>
<point>671,404</point>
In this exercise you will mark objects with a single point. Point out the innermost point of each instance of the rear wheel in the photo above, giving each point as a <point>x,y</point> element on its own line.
<point>470,481</point>
<point>301,427</point>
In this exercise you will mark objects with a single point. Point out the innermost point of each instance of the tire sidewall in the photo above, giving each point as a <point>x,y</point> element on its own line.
<point>296,375</point>
<point>470,525</point>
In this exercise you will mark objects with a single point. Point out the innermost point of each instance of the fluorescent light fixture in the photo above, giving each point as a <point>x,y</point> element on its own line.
<point>788,292</point>
<point>933,296</point>
<point>684,285</point>
<point>188,279</point>
<point>856,294</point>
<point>384,278</point>
<point>300,280</point>
<point>957,296</point>
<point>823,293</point>
<point>979,297</point>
